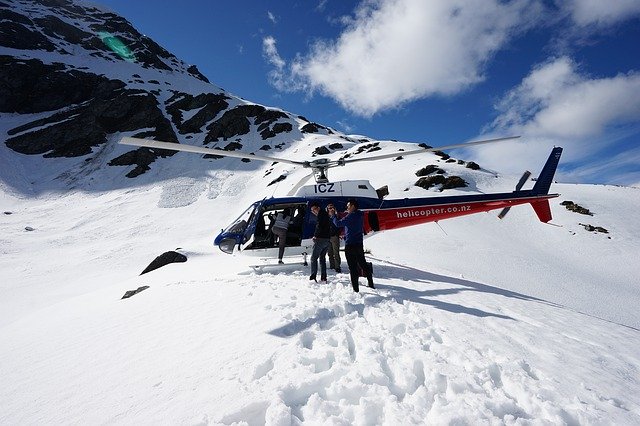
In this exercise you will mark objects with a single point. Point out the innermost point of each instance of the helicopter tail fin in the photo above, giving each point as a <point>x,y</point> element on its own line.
<point>542,209</point>
<point>543,183</point>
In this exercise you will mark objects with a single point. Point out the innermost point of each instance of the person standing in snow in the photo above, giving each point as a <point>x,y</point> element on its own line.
<point>353,223</point>
<point>320,242</point>
<point>334,242</point>
<point>280,230</point>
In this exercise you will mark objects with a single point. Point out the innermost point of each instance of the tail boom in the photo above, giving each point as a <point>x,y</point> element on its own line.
<point>399,217</point>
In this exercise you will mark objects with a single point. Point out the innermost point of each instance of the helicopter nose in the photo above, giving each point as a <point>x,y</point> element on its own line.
<point>227,244</point>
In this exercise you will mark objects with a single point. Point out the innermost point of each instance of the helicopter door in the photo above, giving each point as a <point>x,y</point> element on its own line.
<point>252,223</point>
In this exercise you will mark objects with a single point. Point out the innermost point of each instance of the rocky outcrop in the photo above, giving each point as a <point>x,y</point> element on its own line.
<point>573,207</point>
<point>209,105</point>
<point>236,122</point>
<point>449,182</point>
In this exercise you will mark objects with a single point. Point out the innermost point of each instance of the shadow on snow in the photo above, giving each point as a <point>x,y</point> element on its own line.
<point>324,316</point>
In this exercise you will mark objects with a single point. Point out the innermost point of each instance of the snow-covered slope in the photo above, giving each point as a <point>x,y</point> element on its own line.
<point>481,320</point>
<point>474,320</point>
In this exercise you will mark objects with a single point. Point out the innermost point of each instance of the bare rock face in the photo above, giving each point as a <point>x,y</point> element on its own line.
<point>237,121</point>
<point>81,108</point>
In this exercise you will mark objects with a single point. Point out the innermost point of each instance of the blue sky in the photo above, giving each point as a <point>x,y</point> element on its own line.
<point>441,71</point>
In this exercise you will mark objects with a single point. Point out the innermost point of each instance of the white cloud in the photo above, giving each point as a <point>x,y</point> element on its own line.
<point>272,17</point>
<point>277,76</point>
<point>556,105</point>
<point>600,13</point>
<point>270,52</point>
<point>396,51</point>
<point>556,101</point>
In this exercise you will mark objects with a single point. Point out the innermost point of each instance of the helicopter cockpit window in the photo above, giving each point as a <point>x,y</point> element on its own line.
<point>240,224</point>
<point>264,236</point>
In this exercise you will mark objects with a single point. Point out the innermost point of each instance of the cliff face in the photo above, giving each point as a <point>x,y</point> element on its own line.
<point>75,78</point>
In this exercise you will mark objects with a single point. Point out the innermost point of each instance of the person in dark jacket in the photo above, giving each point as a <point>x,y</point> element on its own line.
<point>334,240</point>
<point>320,242</point>
<point>353,224</point>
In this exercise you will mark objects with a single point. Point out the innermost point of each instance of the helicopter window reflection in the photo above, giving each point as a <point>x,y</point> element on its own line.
<point>240,224</point>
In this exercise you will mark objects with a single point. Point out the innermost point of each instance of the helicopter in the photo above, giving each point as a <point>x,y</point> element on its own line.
<point>250,233</point>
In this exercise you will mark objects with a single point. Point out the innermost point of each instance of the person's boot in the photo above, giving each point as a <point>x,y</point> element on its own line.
<point>356,287</point>
<point>338,270</point>
<point>313,278</point>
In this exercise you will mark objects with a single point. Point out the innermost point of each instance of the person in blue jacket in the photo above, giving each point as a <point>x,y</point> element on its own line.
<point>353,224</point>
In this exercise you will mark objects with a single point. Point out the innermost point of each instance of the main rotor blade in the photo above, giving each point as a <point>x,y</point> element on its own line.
<point>149,143</point>
<point>423,150</point>
<point>298,185</point>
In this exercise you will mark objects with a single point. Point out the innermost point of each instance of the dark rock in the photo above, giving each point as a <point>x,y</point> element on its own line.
<point>232,146</point>
<point>309,128</point>
<point>15,35</point>
<point>336,145</point>
<point>267,133</point>
<point>592,228</point>
<point>210,106</point>
<point>56,28</point>
<point>130,293</point>
<point>193,70</point>
<point>453,182</point>
<point>235,122</point>
<point>141,157</point>
<point>438,179</point>
<point>442,155</point>
<point>265,148</point>
<point>165,259</point>
<point>473,166</point>
<point>571,206</point>
<point>321,150</point>
<point>77,129</point>
<point>30,86</point>
<point>427,170</point>
<point>425,146</point>
<point>28,228</point>
<point>278,179</point>
<point>429,181</point>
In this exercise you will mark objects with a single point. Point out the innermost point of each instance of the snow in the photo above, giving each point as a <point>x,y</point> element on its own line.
<point>475,321</point>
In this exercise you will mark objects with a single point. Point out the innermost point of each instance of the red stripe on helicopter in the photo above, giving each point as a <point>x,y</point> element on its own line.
<point>401,217</point>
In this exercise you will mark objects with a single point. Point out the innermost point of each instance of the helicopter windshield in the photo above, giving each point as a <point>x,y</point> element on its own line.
<point>239,226</point>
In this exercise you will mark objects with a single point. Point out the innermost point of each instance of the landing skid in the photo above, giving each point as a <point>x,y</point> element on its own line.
<point>273,263</point>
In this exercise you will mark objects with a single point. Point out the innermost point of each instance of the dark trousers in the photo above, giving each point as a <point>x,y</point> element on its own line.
<point>356,261</point>
<point>334,252</point>
<point>320,247</point>
<point>282,240</point>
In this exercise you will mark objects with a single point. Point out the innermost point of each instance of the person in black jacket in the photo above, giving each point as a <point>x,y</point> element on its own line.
<point>320,242</point>
<point>353,224</point>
